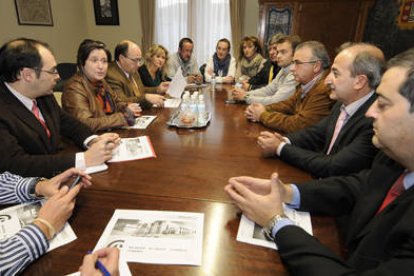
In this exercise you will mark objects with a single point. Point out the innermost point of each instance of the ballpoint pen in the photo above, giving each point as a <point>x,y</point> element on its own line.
<point>100,266</point>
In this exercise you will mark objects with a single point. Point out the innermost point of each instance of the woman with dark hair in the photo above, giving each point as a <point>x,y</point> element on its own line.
<point>221,64</point>
<point>87,95</point>
<point>250,60</point>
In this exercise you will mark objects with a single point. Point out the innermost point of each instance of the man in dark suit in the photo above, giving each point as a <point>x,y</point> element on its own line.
<point>379,201</point>
<point>31,122</point>
<point>339,144</point>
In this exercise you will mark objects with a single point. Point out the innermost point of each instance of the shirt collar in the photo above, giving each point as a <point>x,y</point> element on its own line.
<point>353,107</point>
<point>120,67</point>
<point>408,180</point>
<point>309,85</point>
<point>27,102</point>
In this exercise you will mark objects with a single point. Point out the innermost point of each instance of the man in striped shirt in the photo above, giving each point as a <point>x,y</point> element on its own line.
<point>32,241</point>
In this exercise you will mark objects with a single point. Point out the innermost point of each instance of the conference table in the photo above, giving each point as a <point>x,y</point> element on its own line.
<point>190,170</point>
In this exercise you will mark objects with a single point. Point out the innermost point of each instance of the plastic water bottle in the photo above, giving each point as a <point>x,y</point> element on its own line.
<point>213,82</point>
<point>201,110</point>
<point>193,105</point>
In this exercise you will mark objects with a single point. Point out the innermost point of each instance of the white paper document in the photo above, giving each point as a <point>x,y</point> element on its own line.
<point>157,237</point>
<point>177,84</point>
<point>250,232</point>
<point>132,149</point>
<point>172,103</point>
<point>143,122</point>
<point>13,219</point>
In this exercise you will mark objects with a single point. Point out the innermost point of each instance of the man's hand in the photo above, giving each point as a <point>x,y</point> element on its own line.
<point>257,207</point>
<point>256,185</point>
<point>254,111</point>
<point>108,256</point>
<point>50,187</point>
<point>163,87</point>
<point>100,151</point>
<point>269,142</point>
<point>156,100</point>
<point>58,208</point>
<point>238,94</point>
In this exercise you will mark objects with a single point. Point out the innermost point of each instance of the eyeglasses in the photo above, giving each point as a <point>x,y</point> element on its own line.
<point>298,62</point>
<point>136,60</point>
<point>52,71</point>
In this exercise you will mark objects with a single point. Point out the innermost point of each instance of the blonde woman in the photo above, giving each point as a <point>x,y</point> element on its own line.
<point>153,71</point>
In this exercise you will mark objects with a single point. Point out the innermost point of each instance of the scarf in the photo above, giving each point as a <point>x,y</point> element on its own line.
<point>221,65</point>
<point>251,68</point>
<point>103,97</point>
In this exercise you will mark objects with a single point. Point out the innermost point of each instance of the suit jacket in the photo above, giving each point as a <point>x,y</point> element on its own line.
<point>351,152</point>
<point>296,113</point>
<point>378,244</point>
<point>25,148</point>
<point>79,99</point>
<point>126,90</point>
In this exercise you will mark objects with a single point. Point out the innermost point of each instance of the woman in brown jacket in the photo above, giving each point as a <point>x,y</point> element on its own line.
<point>88,97</point>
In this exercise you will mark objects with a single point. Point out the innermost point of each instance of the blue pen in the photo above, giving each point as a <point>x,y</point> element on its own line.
<point>100,266</point>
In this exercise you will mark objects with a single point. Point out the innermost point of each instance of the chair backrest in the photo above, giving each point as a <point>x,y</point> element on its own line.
<point>66,71</point>
<point>202,69</point>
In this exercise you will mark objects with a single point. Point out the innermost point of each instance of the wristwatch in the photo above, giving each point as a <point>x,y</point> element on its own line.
<point>32,188</point>
<point>267,229</point>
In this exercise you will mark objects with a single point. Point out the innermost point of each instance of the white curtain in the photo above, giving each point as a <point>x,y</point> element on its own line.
<point>207,21</point>
<point>171,22</point>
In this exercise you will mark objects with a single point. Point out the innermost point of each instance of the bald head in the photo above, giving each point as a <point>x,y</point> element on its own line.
<point>367,59</point>
<point>128,55</point>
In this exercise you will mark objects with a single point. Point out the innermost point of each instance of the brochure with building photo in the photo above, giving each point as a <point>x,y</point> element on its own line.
<point>143,122</point>
<point>13,219</point>
<point>157,237</point>
<point>250,232</point>
<point>132,149</point>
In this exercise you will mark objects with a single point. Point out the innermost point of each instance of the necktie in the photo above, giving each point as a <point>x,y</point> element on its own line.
<point>339,124</point>
<point>36,112</point>
<point>396,190</point>
<point>270,75</point>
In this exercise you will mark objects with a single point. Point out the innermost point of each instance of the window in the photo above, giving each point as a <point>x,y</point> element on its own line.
<point>204,21</point>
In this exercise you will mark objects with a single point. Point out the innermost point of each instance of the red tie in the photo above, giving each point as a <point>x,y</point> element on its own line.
<point>396,190</point>
<point>36,112</point>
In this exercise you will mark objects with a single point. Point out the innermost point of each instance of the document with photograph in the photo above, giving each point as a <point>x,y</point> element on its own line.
<point>132,149</point>
<point>13,219</point>
<point>143,122</point>
<point>250,232</point>
<point>156,237</point>
<point>177,84</point>
<point>172,103</point>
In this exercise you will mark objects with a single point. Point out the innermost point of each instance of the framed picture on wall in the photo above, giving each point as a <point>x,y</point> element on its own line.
<point>34,12</point>
<point>106,12</point>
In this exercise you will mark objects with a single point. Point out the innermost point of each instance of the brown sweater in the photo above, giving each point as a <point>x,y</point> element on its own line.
<point>295,113</point>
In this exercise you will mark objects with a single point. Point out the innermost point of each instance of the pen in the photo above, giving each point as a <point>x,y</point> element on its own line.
<point>100,266</point>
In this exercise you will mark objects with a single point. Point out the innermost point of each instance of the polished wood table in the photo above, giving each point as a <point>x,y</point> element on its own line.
<point>189,173</point>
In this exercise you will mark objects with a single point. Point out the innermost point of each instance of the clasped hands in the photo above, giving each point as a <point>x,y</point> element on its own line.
<point>259,199</point>
<point>269,142</point>
<point>254,111</point>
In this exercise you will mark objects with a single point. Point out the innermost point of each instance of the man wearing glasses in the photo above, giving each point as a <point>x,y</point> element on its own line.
<point>310,102</point>
<point>340,143</point>
<point>31,122</point>
<point>123,77</point>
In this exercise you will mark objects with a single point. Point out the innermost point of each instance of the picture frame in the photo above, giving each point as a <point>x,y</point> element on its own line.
<point>34,12</point>
<point>106,12</point>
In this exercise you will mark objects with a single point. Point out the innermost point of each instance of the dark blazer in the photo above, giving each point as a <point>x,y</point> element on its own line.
<point>262,78</point>
<point>25,148</point>
<point>381,244</point>
<point>352,151</point>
